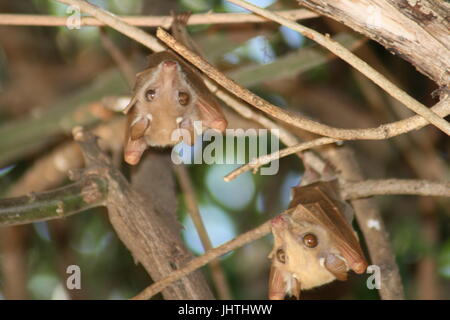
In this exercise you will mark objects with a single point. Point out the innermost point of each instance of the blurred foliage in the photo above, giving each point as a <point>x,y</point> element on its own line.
<point>66,61</point>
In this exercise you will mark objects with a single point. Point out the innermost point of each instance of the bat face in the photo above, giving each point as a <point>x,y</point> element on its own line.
<point>168,97</point>
<point>314,243</point>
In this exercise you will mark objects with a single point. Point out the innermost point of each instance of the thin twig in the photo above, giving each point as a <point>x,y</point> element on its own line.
<point>355,62</point>
<point>209,256</point>
<point>152,21</point>
<point>218,274</point>
<point>254,164</point>
<point>144,226</point>
<point>119,58</point>
<point>368,188</point>
<point>89,192</point>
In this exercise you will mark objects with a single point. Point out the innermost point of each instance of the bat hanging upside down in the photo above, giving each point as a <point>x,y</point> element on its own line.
<point>168,96</point>
<point>314,242</point>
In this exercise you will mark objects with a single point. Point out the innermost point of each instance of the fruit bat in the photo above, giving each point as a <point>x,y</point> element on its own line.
<point>168,96</point>
<point>314,242</point>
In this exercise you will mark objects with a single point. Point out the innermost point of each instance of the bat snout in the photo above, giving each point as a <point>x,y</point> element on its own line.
<point>278,222</point>
<point>169,64</point>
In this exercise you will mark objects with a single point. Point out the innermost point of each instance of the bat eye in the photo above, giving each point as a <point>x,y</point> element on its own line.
<point>281,256</point>
<point>183,98</point>
<point>310,240</point>
<point>150,95</point>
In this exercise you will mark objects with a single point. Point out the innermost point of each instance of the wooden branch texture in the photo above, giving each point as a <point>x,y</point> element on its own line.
<point>415,30</point>
<point>147,228</point>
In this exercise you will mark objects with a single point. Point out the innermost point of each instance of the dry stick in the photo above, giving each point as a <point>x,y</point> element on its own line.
<point>209,256</point>
<point>379,133</point>
<point>218,275</point>
<point>355,62</point>
<point>260,161</point>
<point>152,21</point>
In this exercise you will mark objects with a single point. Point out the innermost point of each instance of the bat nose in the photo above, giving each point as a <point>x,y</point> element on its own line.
<point>169,64</point>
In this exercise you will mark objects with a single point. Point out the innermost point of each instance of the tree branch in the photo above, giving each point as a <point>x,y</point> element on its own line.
<point>379,133</point>
<point>256,163</point>
<point>209,256</point>
<point>142,225</point>
<point>355,62</point>
<point>414,31</point>
<point>152,21</point>
<point>368,188</point>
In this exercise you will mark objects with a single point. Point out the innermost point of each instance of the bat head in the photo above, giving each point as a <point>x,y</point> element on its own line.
<point>163,102</point>
<point>167,101</point>
<point>313,245</point>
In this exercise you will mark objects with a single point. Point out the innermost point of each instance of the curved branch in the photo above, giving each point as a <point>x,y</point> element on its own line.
<point>382,132</point>
<point>152,21</point>
<point>355,62</point>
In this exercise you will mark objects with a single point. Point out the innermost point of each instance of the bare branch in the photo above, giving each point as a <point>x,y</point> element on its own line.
<point>152,21</point>
<point>355,62</point>
<point>88,192</point>
<point>143,226</point>
<point>379,133</point>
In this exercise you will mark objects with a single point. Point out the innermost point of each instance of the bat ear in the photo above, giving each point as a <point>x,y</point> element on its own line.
<point>140,80</point>
<point>137,128</point>
<point>211,115</point>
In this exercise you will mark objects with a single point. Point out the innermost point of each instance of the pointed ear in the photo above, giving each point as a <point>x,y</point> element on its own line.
<point>210,114</point>
<point>140,80</point>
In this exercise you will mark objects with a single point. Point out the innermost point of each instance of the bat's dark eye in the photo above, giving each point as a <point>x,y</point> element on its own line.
<point>183,98</point>
<point>150,95</point>
<point>310,240</point>
<point>281,256</point>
